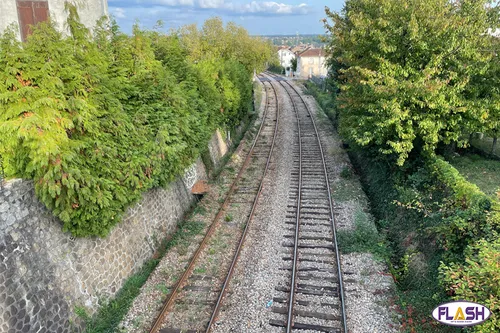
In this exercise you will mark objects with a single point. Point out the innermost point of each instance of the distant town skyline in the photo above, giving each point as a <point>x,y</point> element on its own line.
<point>258,17</point>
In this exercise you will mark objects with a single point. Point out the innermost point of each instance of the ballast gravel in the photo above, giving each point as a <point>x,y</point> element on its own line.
<point>261,267</point>
<point>247,308</point>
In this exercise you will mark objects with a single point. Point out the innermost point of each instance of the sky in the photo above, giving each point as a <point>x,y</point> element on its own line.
<point>258,17</point>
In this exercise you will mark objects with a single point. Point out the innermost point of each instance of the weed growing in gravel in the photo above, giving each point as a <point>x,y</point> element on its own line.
<point>137,321</point>
<point>229,217</point>
<point>199,210</point>
<point>200,270</point>
<point>162,288</point>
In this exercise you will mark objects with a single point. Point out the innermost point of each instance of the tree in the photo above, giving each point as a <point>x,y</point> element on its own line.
<point>97,120</point>
<point>294,64</point>
<point>405,69</point>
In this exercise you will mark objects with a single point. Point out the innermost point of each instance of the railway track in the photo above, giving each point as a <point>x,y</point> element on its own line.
<point>312,298</point>
<point>195,300</point>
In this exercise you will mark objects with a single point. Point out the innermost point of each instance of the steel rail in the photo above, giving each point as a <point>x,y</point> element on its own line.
<point>293,285</point>
<point>330,199</point>
<point>172,297</point>
<point>254,205</point>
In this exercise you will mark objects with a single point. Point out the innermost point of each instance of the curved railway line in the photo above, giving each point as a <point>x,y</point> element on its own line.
<point>315,290</point>
<point>191,302</point>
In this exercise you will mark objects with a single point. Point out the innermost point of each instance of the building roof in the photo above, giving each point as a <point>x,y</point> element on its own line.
<point>313,53</point>
<point>299,48</point>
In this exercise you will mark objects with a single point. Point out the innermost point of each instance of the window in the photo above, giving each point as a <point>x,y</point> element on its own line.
<point>311,60</point>
<point>30,13</point>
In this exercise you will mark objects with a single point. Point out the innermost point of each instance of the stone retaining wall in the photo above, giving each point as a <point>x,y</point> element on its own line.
<point>45,273</point>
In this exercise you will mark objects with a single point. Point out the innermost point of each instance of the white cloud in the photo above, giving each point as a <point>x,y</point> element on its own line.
<point>234,8</point>
<point>170,3</point>
<point>118,12</point>
<point>271,7</point>
<point>211,4</point>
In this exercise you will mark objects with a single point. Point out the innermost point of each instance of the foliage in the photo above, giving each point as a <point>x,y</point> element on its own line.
<point>294,64</point>
<point>486,93</point>
<point>232,42</point>
<point>467,213</point>
<point>409,71</point>
<point>97,120</point>
<point>278,69</point>
<point>477,279</point>
<point>407,237</point>
<point>326,100</point>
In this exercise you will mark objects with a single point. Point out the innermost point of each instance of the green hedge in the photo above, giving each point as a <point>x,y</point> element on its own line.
<point>97,120</point>
<point>469,232</point>
<point>468,214</point>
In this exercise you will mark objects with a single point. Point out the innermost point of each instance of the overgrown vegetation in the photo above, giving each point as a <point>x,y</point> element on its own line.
<point>276,68</point>
<point>97,120</point>
<point>410,80</point>
<point>414,74</point>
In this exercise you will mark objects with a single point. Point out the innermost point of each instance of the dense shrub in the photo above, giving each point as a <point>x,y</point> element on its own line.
<point>477,279</point>
<point>467,213</point>
<point>97,120</point>
<point>412,73</point>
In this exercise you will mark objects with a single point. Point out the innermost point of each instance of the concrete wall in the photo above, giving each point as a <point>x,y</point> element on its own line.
<point>8,15</point>
<point>311,65</point>
<point>89,10</point>
<point>45,273</point>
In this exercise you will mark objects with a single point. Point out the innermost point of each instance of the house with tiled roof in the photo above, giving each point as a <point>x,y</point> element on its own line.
<point>285,55</point>
<point>311,62</point>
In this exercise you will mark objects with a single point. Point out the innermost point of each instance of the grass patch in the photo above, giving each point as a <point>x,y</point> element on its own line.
<point>483,172</point>
<point>364,238</point>
<point>347,189</point>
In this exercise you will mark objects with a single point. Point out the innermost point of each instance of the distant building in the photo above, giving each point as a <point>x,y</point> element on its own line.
<point>28,13</point>
<point>285,55</point>
<point>301,48</point>
<point>311,62</point>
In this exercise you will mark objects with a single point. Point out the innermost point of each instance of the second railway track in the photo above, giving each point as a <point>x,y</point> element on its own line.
<point>194,302</point>
<point>312,297</point>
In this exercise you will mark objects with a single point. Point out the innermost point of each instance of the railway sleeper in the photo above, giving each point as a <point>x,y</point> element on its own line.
<point>310,260</point>
<point>300,326</point>
<point>301,237</point>
<point>311,269</point>
<point>282,300</point>
<point>304,313</point>
<point>304,291</point>
<point>311,246</point>
<point>176,330</point>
